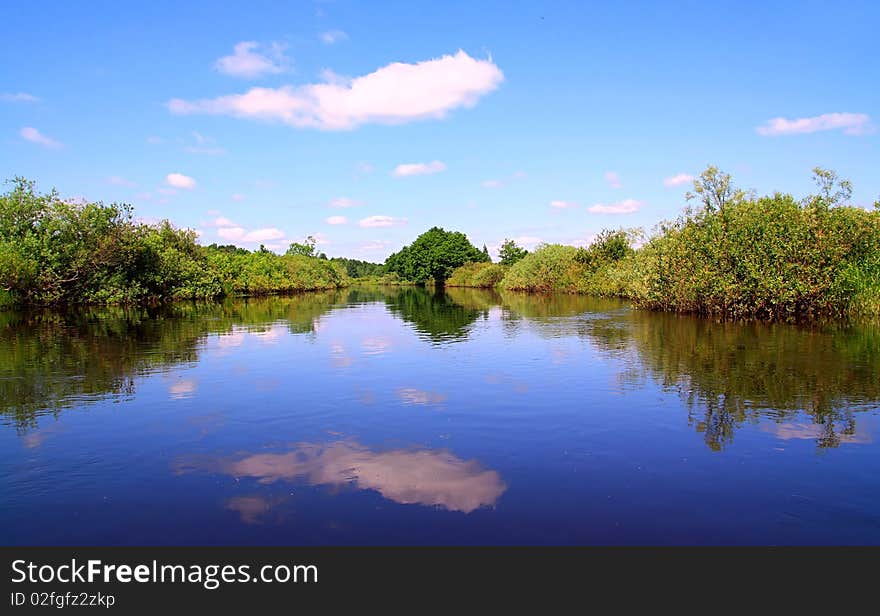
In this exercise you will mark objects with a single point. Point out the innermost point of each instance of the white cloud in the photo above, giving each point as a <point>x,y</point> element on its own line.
<point>19,97</point>
<point>250,60</point>
<point>29,133</point>
<point>374,246</point>
<point>381,221</point>
<point>178,180</point>
<point>117,180</point>
<point>222,221</point>
<point>851,123</point>
<point>393,94</point>
<point>263,235</point>
<point>231,233</point>
<point>336,220</point>
<point>627,206</point>
<point>333,36</point>
<point>408,169</point>
<point>561,205</point>
<point>613,179</point>
<point>344,202</point>
<point>678,179</point>
<point>493,184</point>
<point>527,241</point>
<point>238,197</point>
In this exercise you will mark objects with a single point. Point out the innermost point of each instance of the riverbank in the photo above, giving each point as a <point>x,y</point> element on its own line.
<point>737,257</point>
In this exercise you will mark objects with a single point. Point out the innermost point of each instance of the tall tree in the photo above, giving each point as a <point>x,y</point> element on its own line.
<point>510,253</point>
<point>434,255</point>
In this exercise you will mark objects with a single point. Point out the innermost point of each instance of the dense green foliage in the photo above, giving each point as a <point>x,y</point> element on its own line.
<point>735,255</point>
<point>434,255</point>
<point>479,275</point>
<point>54,251</point>
<point>359,269</point>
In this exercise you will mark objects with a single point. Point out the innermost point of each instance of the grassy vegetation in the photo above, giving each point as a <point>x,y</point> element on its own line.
<point>734,256</point>
<point>477,275</point>
<point>57,252</point>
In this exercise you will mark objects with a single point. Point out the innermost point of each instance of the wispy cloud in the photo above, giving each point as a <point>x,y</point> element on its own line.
<point>333,36</point>
<point>850,123</point>
<point>29,133</point>
<point>381,221</point>
<point>250,60</point>
<point>336,220</point>
<point>344,202</point>
<point>238,197</point>
<point>394,94</point>
<point>678,179</point>
<point>613,179</point>
<point>492,184</point>
<point>18,97</point>
<point>374,246</point>
<point>627,206</point>
<point>117,180</point>
<point>408,169</point>
<point>562,205</point>
<point>178,180</point>
<point>204,145</point>
<point>266,234</point>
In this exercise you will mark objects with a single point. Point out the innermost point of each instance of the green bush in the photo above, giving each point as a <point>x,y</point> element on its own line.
<point>54,252</point>
<point>552,267</point>
<point>479,275</point>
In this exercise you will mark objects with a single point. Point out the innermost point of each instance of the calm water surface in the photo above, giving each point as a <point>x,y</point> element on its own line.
<point>401,416</point>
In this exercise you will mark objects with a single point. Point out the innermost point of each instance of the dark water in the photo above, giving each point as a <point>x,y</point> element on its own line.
<point>402,417</point>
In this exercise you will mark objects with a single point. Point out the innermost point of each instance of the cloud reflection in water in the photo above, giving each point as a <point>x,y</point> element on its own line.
<point>423,477</point>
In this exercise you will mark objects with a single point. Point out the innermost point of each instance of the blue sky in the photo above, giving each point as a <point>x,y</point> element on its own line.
<point>363,124</point>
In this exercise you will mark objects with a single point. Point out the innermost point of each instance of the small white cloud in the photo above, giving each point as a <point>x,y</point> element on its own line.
<point>408,169</point>
<point>19,97</point>
<point>627,206</point>
<point>393,94</point>
<point>493,184</point>
<point>374,246</point>
<point>263,235</point>
<point>562,205</point>
<point>381,221</point>
<point>333,36</point>
<point>117,180</point>
<point>231,233</point>
<point>527,241</point>
<point>250,60</point>
<point>678,179</point>
<point>29,133</point>
<point>222,221</point>
<point>178,180</point>
<point>613,179</point>
<point>850,123</point>
<point>336,220</point>
<point>238,197</point>
<point>344,202</point>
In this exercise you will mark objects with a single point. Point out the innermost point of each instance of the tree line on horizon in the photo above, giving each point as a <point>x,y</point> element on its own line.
<point>731,254</point>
